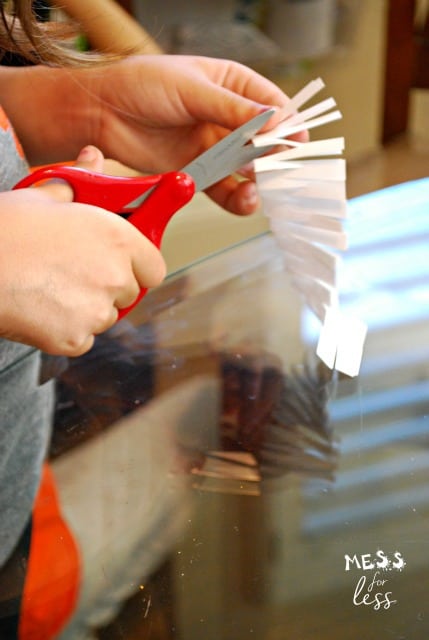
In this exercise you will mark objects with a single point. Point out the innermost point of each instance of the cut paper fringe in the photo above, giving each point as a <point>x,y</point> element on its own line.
<point>302,188</point>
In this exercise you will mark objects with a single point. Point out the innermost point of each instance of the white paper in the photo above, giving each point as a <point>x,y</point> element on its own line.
<point>327,343</point>
<point>324,207</point>
<point>333,169</point>
<point>329,147</point>
<point>350,345</point>
<point>311,269</point>
<point>312,191</point>
<point>310,221</point>
<point>303,96</point>
<point>304,198</point>
<point>341,341</point>
<point>318,295</point>
<point>276,136</point>
<point>333,239</point>
<point>307,250</point>
<point>312,112</point>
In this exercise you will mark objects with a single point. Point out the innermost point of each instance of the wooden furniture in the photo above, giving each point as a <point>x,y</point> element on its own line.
<point>407,64</point>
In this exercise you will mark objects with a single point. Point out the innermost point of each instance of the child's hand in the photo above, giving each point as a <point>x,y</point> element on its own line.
<point>66,268</point>
<point>152,113</point>
<point>160,112</point>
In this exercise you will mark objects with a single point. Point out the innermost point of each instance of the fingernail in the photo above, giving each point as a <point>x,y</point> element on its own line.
<point>273,108</point>
<point>87,154</point>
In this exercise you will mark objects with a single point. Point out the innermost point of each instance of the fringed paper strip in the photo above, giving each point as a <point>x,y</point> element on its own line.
<point>341,341</point>
<point>304,197</point>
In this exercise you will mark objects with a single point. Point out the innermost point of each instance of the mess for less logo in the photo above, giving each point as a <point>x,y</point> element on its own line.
<point>372,590</point>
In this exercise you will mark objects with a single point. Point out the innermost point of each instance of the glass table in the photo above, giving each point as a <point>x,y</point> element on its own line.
<point>222,483</point>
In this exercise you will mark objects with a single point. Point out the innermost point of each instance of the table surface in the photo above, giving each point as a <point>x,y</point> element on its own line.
<point>237,487</point>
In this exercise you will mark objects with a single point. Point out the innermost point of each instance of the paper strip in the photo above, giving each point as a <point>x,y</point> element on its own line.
<point>303,96</point>
<point>334,239</point>
<point>312,112</point>
<point>304,198</point>
<point>333,169</point>
<point>332,208</point>
<point>329,147</point>
<point>300,247</point>
<point>276,135</point>
<point>309,220</point>
<point>341,341</point>
<point>326,348</point>
<point>350,345</point>
<point>311,269</point>
<point>306,189</point>
<point>317,294</point>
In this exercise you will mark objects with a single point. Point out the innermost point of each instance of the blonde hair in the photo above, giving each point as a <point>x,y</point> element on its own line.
<point>47,43</point>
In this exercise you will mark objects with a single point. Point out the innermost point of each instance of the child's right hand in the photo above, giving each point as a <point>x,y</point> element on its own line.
<point>66,268</point>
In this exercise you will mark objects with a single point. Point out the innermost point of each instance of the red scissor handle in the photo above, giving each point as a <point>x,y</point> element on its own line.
<point>169,192</point>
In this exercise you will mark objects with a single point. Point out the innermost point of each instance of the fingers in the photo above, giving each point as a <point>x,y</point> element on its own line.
<point>148,264</point>
<point>79,263</point>
<point>245,93</point>
<point>105,320</point>
<point>240,198</point>
<point>74,351</point>
<point>91,312</point>
<point>89,158</point>
<point>234,93</point>
<point>126,296</point>
<point>144,265</point>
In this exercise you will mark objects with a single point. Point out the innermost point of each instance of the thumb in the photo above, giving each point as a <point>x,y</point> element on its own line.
<point>90,158</point>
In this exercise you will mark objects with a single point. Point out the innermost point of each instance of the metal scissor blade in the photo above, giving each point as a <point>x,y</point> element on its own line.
<point>228,155</point>
<point>225,157</point>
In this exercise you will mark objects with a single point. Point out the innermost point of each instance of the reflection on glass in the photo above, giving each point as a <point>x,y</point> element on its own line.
<point>222,483</point>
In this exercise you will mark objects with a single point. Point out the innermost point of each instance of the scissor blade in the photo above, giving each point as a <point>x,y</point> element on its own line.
<point>226,156</point>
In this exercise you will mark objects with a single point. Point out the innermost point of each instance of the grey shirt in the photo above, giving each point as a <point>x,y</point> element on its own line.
<point>25,406</point>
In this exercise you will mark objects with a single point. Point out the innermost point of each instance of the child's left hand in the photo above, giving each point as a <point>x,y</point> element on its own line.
<point>164,111</point>
<point>152,113</point>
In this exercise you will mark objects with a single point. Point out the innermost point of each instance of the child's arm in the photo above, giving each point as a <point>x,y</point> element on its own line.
<point>151,113</point>
<point>66,268</point>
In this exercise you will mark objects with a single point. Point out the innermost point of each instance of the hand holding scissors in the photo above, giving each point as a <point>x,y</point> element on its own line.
<point>150,202</point>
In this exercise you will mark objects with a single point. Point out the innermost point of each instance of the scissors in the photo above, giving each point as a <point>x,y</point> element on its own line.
<point>150,202</point>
